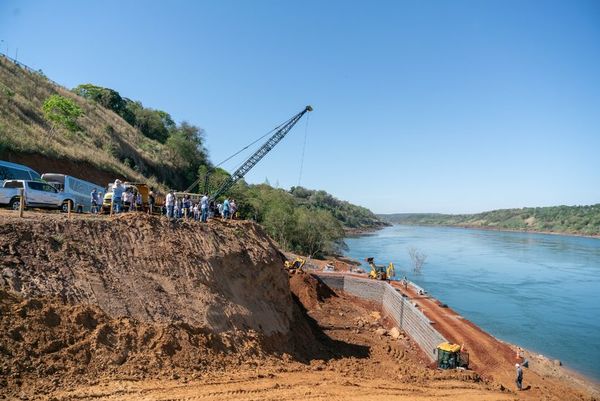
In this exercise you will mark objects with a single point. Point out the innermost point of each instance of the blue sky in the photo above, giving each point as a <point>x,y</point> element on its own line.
<point>420,106</point>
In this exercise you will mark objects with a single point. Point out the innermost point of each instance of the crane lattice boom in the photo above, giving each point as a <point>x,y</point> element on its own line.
<point>260,153</point>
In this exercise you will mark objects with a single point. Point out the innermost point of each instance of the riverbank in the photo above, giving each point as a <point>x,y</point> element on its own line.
<point>486,228</point>
<point>442,316</point>
<point>357,232</point>
<point>506,283</point>
<point>577,220</point>
<point>492,359</point>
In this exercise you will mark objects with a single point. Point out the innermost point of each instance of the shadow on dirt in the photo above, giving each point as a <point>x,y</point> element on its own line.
<point>311,342</point>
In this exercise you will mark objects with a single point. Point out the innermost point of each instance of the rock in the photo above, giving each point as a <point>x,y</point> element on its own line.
<point>557,362</point>
<point>394,333</point>
<point>381,331</point>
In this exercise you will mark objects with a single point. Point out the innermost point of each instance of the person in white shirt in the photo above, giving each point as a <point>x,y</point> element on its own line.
<point>170,204</point>
<point>204,208</point>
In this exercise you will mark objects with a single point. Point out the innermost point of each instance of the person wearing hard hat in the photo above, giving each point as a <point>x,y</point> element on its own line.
<point>519,379</point>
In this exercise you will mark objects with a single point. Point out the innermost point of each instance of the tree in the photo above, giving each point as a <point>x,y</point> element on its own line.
<point>417,258</point>
<point>278,217</point>
<point>149,122</point>
<point>108,98</point>
<point>62,111</point>
<point>210,178</point>
<point>186,148</point>
<point>317,232</point>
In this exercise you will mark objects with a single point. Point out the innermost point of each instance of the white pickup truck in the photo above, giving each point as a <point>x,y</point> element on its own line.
<point>37,194</point>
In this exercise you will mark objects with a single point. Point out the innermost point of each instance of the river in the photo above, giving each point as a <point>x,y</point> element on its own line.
<point>539,291</point>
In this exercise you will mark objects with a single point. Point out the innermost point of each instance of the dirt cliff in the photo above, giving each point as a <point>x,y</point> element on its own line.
<point>220,276</point>
<point>139,296</point>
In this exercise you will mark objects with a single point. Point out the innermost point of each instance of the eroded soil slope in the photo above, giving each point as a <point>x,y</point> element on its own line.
<point>221,276</point>
<point>138,296</point>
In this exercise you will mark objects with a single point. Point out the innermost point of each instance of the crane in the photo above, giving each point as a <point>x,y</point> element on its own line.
<point>258,155</point>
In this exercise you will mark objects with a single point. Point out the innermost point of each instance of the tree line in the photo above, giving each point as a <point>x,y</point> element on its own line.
<point>583,220</point>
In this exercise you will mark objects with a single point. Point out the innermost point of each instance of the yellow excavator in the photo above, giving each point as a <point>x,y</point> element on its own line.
<point>380,272</point>
<point>295,266</point>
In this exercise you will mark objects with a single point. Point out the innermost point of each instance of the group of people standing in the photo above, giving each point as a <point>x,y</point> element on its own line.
<point>128,198</point>
<point>184,207</point>
<point>124,199</point>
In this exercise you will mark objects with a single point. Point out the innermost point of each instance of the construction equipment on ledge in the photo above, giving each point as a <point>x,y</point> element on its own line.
<point>295,266</point>
<point>280,133</point>
<point>452,356</point>
<point>380,272</point>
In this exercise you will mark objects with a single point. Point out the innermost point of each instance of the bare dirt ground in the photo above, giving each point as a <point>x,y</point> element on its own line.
<point>136,307</point>
<point>359,365</point>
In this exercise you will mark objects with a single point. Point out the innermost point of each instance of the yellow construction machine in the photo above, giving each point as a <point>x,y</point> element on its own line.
<point>380,272</point>
<point>295,266</point>
<point>452,356</point>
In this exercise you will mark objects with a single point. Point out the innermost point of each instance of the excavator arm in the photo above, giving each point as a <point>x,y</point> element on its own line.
<point>390,271</point>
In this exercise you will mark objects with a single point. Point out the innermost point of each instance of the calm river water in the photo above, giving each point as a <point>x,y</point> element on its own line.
<point>535,290</point>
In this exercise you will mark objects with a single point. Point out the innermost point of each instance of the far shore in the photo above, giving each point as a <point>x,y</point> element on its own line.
<point>472,227</point>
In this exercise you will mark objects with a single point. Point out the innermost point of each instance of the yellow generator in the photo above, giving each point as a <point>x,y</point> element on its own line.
<point>380,272</point>
<point>452,356</point>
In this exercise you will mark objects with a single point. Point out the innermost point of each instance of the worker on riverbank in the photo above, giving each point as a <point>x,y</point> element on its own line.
<point>519,378</point>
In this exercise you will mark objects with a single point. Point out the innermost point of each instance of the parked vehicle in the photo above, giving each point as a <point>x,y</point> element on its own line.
<point>74,188</point>
<point>37,194</point>
<point>14,171</point>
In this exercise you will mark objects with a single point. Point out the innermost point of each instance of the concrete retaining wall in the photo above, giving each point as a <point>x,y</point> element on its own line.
<point>408,317</point>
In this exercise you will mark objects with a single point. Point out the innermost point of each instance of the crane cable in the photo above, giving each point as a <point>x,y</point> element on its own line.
<point>303,149</point>
<point>237,153</point>
<point>252,143</point>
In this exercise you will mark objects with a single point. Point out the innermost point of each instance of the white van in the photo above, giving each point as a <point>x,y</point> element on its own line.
<point>74,188</point>
<point>14,171</point>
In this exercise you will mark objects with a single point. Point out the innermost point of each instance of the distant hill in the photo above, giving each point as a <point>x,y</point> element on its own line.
<point>579,220</point>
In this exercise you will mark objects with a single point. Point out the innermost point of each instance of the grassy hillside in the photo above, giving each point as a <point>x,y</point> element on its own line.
<point>104,140</point>
<point>582,220</point>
